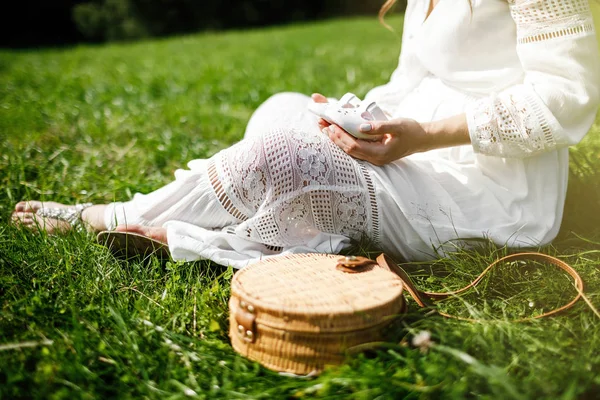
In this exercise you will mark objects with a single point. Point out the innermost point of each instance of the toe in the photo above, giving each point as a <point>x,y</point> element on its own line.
<point>19,216</point>
<point>23,219</point>
<point>28,206</point>
<point>20,207</point>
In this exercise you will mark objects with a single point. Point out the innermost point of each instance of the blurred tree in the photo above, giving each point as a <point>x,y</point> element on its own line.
<point>42,22</point>
<point>28,23</point>
<point>127,19</point>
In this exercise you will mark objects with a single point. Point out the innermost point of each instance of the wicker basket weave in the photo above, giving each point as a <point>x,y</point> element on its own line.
<point>301,312</point>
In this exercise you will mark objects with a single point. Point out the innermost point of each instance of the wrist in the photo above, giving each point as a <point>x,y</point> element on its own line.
<point>447,132</point>
<point>430,133</point>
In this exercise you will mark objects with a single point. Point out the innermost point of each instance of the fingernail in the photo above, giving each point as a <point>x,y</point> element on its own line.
<point>331,129</point>
<point>365,127</point>
<point>325,131</point>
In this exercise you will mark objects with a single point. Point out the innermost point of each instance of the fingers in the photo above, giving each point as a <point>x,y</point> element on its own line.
<point>323,124</point>
<point>341,138</point>
<point>373,151</point>
<point>380,127</point>
<point>361,149</point>
<point>319,98</point>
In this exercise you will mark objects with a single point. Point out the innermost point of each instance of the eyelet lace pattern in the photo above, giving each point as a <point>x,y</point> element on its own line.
<point>541,20</point>
<point>511,124</point>
<point>516,122</point>
<point>287,186</point>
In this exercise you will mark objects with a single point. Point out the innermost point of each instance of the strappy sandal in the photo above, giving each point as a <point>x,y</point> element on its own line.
<point>129,245</point>
<point>71,214</point>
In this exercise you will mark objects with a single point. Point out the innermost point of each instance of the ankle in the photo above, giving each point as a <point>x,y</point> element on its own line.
<point>93,217</point>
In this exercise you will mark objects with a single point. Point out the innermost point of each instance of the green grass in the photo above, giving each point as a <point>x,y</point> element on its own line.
<point>101,123</point>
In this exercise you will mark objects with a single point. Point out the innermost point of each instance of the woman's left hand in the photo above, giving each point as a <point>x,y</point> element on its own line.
<point>392,140</point>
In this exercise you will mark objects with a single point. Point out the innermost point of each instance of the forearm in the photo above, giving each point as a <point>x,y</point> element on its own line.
<point>448,132</point>
<point>401,137</point>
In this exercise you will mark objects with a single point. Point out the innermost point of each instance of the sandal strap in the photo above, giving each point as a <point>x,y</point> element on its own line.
<point>349,99</point>
<point>72,215</point>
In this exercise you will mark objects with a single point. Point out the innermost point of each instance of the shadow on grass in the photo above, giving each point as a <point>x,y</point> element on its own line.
<point>581,217</point>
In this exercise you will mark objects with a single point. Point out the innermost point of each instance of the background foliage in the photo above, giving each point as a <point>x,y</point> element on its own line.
<point>41,22</point>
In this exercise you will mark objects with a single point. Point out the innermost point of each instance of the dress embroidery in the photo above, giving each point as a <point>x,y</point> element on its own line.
<point>288,185</point>
<point>511,124</point>
<point>541,20</point>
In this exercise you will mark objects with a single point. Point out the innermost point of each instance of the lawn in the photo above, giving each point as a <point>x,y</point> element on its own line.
<point>98,123</point>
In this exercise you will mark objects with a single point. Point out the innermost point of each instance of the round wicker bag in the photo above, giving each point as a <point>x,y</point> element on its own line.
<point>299,313</point>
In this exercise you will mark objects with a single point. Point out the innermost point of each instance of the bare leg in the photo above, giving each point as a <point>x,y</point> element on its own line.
<point>92,217</point>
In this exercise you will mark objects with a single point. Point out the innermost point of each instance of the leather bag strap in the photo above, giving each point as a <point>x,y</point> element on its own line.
<point>423,298</point>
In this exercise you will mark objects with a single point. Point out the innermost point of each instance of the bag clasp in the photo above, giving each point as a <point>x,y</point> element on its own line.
<point>354,264</point>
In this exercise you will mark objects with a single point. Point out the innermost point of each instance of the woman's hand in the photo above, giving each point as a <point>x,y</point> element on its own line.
<point>319,98</point>
<point>391,140</point>
<point>400,137</point>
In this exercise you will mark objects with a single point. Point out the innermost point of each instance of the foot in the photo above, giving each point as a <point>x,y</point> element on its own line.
<point>136,240</point>
<point>30,214</point>
<point>25,215</point>
<point>153,232</point>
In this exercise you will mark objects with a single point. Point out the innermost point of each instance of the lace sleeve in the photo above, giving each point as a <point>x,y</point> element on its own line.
<point>556,103</point>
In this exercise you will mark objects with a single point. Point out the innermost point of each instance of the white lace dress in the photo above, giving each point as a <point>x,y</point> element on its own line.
<point>527,76</point>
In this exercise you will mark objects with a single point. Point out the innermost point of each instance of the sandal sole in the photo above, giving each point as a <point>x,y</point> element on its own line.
<point>129,245</point>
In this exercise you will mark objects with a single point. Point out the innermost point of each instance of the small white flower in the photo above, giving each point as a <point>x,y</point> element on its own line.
<point>423,341</point>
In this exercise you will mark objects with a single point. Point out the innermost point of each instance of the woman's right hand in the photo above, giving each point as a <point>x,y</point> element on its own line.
<point>319,98</point>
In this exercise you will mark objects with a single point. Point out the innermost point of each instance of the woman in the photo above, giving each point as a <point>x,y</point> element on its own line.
<point>485,101</point>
